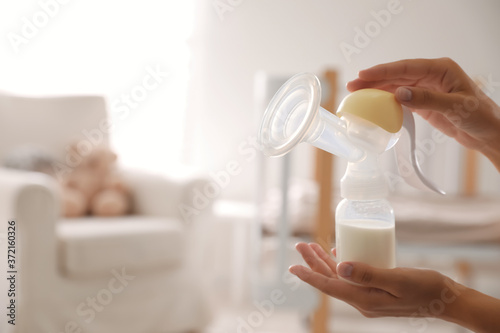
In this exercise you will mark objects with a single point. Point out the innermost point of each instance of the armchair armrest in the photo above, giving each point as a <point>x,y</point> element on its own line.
<point>158,195</point>
<point>30,199</point>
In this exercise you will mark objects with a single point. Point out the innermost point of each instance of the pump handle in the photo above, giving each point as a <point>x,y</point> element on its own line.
<point>406,154</point>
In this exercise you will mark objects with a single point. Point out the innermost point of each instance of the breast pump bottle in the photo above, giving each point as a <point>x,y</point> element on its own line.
<point>364,219</point>
<point>368,122</point>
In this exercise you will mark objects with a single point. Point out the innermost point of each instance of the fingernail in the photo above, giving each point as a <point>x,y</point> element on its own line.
<point>404,94</point>
<point>344,269</point>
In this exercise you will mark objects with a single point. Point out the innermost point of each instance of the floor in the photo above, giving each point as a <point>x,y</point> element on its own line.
<point>344,319</point>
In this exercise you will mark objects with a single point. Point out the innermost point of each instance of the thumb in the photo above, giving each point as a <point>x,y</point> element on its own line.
<point>420,98</point>
<point>367,275</point>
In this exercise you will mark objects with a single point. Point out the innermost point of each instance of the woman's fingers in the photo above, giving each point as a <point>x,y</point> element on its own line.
<point>413,69</point>
<point>389,280</point>
<point>420,98</point>
<point>325,257</point>
<point>313,260</point>
<point>387,85</point>
<point>329,285</point>
<point>362,298</point>
<point>442,75</point>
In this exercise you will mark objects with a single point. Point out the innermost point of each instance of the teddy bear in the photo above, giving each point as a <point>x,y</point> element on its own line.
<point>94,187</point>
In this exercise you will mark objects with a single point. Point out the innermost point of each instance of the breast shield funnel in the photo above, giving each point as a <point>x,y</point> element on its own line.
<point>294,116</point>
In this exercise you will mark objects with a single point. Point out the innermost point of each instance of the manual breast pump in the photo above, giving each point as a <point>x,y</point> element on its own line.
<point>368,122</point>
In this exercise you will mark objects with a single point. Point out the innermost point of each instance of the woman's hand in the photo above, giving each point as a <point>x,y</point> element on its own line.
<point>442,93</point>
<point>380,292</point>
<point>398,292</point>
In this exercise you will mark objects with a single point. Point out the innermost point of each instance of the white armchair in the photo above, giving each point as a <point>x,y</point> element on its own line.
<point>99,275</point>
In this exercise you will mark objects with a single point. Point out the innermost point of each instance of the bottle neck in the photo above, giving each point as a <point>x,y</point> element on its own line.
<point>363,180</point>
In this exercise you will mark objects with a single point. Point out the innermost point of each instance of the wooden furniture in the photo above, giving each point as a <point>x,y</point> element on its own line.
<point>325,221</point>
<point>470,173</point>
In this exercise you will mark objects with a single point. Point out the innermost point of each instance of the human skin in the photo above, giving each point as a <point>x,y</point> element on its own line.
<point>398,292</point>
<point>443,94</point>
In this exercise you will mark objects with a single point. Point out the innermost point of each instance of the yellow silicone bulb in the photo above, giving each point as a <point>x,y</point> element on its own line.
<point>377,106</point>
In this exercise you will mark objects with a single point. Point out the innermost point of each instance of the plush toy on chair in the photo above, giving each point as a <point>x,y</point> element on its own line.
<point>94,186</point>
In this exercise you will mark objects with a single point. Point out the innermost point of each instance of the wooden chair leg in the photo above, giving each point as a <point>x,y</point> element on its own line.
<point>325,223</point>
<point>324,229</point>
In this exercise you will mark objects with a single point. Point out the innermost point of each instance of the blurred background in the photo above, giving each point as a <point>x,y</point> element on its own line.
<point>185,84</point>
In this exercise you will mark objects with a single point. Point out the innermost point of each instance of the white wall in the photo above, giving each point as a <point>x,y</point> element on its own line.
<point>238,38</point>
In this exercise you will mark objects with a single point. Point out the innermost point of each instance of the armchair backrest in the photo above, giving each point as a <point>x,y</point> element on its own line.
<point>52,123</point>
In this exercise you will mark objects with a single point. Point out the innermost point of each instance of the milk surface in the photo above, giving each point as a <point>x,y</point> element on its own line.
<point>368,241</point>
